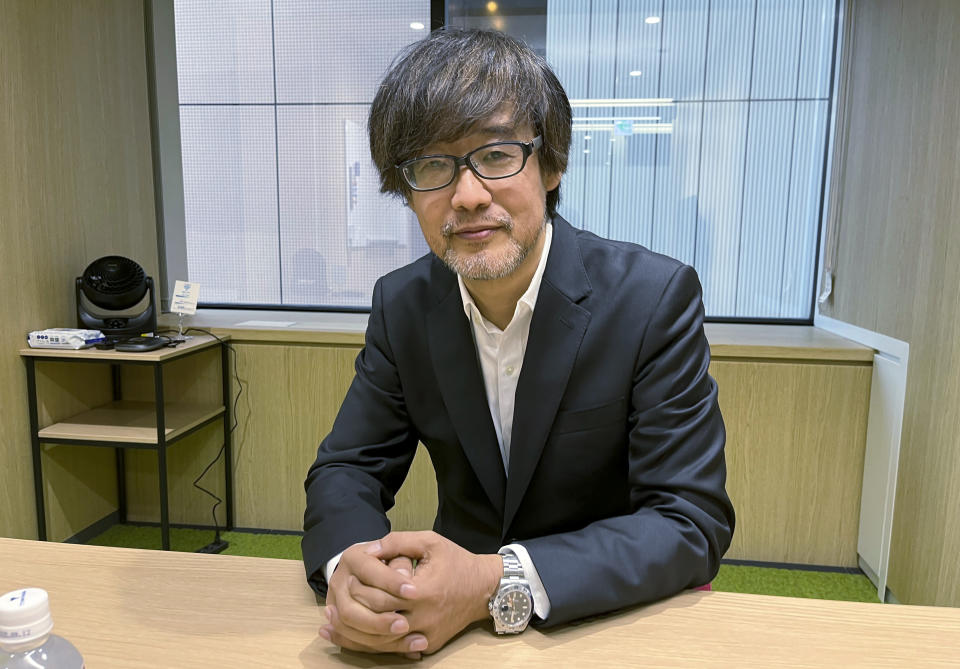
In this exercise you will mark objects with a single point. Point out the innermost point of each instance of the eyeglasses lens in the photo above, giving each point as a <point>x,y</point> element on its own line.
<point>493,162</point>
<point>499,160</point>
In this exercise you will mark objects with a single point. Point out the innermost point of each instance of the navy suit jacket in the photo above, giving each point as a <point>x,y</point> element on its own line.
<point>616,475</point>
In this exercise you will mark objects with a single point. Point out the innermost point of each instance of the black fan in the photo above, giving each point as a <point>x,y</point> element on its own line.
<point>109,293</point>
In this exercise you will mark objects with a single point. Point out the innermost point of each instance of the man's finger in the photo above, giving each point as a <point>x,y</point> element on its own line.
<point>402,564</point>
<point>331,635</point>
<point>355,640</point>
<point>401,646</point>
<point>354,615</point>
<point>375,574</point>
<point>409,544</point>
<point>375,599</point>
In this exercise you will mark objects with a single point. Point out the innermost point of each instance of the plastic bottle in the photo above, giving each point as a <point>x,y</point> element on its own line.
<point>25,639</point>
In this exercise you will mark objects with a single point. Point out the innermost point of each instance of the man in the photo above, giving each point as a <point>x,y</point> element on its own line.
<point>558,380</point>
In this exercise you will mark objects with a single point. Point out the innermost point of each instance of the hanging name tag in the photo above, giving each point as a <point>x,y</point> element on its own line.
<point>185,295</point>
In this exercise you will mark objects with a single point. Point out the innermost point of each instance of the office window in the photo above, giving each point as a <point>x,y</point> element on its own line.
<point>700,131</point>
<point>281,200</point>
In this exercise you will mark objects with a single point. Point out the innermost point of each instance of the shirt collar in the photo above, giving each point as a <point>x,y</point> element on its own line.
<point>529,297</point>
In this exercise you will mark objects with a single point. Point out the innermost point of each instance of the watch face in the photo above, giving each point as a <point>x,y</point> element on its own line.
<point>513,606</point>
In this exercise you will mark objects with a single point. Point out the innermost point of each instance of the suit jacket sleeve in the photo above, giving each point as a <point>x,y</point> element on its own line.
<point>682,520</point>
<point>363,461</point>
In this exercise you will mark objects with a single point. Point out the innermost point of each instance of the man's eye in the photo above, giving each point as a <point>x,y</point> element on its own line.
<point>431,166</point>
<point>495,157</point>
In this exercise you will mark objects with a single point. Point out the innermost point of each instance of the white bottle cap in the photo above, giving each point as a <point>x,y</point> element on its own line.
<point>25,616</point>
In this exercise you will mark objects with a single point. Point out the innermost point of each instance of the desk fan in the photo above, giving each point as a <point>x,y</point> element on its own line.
<point>111,298</point>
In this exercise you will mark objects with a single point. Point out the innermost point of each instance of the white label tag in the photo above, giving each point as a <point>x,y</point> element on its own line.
<point>185,295</point>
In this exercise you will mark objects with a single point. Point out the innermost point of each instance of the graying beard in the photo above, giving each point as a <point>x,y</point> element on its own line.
<point>480,267</point>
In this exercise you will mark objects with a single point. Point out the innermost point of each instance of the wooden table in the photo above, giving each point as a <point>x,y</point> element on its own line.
<point>128,609</point>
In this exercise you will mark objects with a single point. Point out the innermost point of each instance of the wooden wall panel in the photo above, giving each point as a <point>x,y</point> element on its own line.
<point>291,395</point>
<point>416,506</point>
<point>186,459</point>
<point>897,272</point>
<point>79,482</point>
<point>796,434</point>
<point>195,378</point>
<point>289,398</point>
<point>75,184</point>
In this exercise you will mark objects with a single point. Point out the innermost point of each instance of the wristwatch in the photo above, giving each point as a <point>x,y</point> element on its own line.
<point>512,604</point>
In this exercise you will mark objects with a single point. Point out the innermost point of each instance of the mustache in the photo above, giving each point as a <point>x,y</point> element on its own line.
<point>453,225</point>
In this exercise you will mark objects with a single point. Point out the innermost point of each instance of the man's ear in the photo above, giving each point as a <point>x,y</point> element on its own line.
<point>551,180</point>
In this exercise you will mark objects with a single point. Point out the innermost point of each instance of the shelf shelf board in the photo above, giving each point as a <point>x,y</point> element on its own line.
<point>130,421</point>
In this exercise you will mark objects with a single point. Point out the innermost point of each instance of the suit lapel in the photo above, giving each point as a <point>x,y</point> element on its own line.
<point>557,328</point>
<point>457,369</point>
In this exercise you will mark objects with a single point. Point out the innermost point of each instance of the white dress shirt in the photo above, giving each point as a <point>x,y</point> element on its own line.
<point>501,357</point>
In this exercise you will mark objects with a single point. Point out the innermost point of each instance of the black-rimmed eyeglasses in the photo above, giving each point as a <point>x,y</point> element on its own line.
<point>490,161</point>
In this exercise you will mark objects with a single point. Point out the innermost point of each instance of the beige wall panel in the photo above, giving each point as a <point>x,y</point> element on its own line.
<point>79,481</point>
<point>924,567</point>
<point>65,389</point>
<point>291,394</point>
<point>75,184</point>
<point>416,503</point>
<point>796,435</point>
<point>897,270</point>
<point>81,487</point>
<point>290,399</point>
<point>186,459</point>
<point>194,378</point>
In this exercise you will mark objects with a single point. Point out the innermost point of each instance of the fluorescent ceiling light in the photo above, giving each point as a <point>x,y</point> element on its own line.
<point>592,119</point>
<point>638,128</point>
<point>416,25</point>
<point>622,102</point>
<point>635,73</point>
<point>652,20</point>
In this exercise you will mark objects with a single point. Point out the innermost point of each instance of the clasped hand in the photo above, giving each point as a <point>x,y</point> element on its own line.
<point>378,602</point>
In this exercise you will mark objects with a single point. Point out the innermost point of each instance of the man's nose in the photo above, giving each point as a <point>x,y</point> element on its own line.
<point>469,191</point>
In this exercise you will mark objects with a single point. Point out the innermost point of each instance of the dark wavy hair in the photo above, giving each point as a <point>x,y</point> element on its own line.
<point>440,88</point>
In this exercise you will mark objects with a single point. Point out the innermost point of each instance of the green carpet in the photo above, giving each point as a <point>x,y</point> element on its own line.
<point>795,583</point>
<point>286,546</point>
<point>732,578</point>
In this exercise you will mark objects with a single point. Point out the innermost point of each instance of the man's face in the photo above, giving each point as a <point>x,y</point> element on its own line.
<point>485,229</point>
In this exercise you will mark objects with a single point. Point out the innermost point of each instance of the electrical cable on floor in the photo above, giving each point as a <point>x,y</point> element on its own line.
<point>218,545</point>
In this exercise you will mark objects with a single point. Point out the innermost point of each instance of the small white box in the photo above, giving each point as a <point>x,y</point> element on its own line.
<point>64,338</point>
